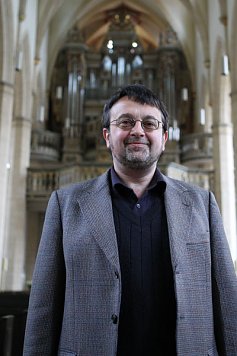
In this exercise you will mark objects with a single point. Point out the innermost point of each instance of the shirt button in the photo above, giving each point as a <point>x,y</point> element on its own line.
<point>138,206</point>
<point>114,318</point>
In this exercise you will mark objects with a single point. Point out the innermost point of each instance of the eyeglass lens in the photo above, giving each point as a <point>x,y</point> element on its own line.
<point>147,124</point>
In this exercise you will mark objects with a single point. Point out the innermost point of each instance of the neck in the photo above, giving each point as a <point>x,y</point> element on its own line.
<point>136,179</point>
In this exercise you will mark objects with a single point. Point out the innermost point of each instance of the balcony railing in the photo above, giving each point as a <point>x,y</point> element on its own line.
<point>202,178</point>
<point>41,182</point>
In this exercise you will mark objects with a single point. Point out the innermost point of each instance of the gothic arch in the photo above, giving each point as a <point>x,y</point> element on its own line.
<point>200,19</point>
<point>46,12</point>
<point>88,11</point>
<point>158,14</point>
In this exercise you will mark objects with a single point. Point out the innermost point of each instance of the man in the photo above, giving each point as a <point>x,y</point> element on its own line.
<point>133,262</point>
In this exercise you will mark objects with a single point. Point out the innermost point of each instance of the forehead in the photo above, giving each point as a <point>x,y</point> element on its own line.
<point>138,110</point>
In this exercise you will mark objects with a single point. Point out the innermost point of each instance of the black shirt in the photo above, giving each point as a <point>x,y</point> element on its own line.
<point>147,314</point>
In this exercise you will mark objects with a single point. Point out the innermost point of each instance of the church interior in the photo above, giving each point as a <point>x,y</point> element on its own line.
<point>59,63</point>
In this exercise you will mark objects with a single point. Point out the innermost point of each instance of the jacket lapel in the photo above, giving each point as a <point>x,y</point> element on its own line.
<point>178,205</point>
<point>96,206</point>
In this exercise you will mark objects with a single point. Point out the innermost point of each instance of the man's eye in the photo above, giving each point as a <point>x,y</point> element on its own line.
<point>149,124</point>
<point>125,122</point>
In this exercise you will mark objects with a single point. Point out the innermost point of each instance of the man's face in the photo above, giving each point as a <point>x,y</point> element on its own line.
<point>134,148</point>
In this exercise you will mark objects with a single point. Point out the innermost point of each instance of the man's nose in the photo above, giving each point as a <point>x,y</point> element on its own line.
<point>137,129</point>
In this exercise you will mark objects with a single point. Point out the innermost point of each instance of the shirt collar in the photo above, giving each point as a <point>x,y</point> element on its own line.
<point>157,182</point>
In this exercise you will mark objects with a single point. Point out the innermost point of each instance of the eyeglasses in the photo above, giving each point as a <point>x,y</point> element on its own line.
<point>127,123</point>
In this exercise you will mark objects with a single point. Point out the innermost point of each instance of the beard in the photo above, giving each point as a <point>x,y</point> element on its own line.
<point>136,157</point>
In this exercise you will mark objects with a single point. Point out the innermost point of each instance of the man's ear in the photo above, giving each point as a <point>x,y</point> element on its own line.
<point>106,136</point>
<point>165,138</point>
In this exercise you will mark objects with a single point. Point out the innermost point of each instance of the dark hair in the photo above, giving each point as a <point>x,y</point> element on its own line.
<point>138,93</point>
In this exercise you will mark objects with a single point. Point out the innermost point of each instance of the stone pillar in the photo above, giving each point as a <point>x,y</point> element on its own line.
<point>14,277</point>
<point>6,109</point>
<point>234,120</point>
<point>224,180</point>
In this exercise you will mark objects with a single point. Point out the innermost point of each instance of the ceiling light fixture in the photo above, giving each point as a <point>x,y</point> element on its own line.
<point>110,44</point>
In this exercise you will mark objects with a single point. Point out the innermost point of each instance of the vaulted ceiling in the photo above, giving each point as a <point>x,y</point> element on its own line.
<point>149,18</point>
<point>122,16</point>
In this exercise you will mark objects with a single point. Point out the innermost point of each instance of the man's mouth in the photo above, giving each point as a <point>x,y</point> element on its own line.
<point>136,142</point>
<point>136,146</point>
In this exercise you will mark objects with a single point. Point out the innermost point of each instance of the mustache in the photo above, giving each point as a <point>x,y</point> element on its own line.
<point>136,140</point>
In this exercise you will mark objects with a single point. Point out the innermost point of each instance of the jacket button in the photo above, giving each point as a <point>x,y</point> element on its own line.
<point>114,318</point>
<point>116,274</point>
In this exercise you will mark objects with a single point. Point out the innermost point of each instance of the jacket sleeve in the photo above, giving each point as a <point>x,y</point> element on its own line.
<point>224,283</point>
<point>48,284</point>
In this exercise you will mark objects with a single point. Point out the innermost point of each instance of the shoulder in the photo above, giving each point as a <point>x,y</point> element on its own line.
<point>185,186</point>
<point>68,197</point>
<point>194,194</point>
<point>79,188</point>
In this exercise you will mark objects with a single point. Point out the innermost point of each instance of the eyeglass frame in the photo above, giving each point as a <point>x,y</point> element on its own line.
<point>160,124</point>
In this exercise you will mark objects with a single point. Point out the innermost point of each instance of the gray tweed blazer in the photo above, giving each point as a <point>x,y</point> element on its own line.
<point>75,296</point>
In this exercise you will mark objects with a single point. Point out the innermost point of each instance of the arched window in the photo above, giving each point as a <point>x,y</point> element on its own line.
<point>137,61</point>
<point>107,64</point>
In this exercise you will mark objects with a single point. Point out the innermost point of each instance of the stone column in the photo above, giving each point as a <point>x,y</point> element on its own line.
<point>14,277</point>
<point>224,179</point>
<point>6,109</point>
<point>234,120</point>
